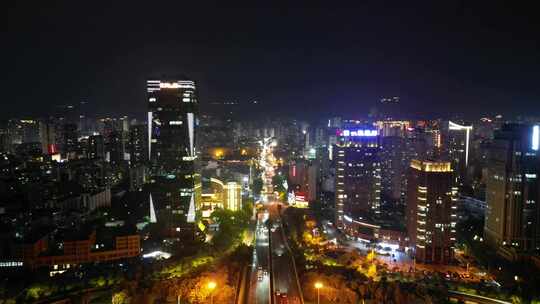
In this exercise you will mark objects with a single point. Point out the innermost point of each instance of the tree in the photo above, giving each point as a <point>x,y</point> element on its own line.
<point>195,289</point>
<point>120,297</point>
<point>277,182</point>
<point>231,227</point>
<point>247,206</point>
<point>335,288</point>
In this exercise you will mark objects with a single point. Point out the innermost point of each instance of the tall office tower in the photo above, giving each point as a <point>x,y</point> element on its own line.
<point>70,142</point>
<point>320,137</point>
<point>358,174</point>
<point>431,210</point>
<point>29,130</point>
<point>458,149</point>
<point>484,128</point>
<point>416,145</point>
<point>434,144</point>
<point>172,120</point>
<point>138,155</point>
<point>138,144</point>
<point>393,127</point>
<point>96,147</point>
<point>47,135</point>
<point>512,221</point>
<point>116,146</point>
<point>394,163</point>
<point>303,178</point>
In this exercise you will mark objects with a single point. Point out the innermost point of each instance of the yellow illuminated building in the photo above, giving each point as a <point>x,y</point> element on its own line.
<point>431,166</point>
<point>222,195</point>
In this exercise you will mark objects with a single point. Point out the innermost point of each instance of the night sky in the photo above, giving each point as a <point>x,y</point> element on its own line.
<point>441,57</point>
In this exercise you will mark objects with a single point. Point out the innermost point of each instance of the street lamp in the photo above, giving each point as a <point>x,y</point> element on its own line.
<point>318,286</point>
<point>211,286</point>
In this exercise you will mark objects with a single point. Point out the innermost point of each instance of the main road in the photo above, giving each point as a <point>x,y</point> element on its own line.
<point>259,282</point>
<point>274,278</point>
<point>285,277</point>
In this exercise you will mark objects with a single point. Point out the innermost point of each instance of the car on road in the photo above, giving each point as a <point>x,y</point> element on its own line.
<point>282,297</point>
<point>260,273</point>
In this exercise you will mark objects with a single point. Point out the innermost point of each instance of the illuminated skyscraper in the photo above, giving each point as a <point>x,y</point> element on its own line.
<point>172,120</point>
<point>512,223</point>
<point>431,210</point>
<point>358,174</point>
<point>459,148</point>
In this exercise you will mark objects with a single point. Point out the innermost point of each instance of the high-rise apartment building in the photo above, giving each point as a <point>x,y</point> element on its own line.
<point>393,127</point>
<point>172,120</point>
<point>138,144</point>
<point>70,142</point>
<point>48,137</point>
<point>431,211</point>
<point>394,164</point>
<point>96,147</point>
<point>116,146</point>
<point>459,146</point>
<point>358,174</point>
<point>303,177</point>
<point>512,222</point>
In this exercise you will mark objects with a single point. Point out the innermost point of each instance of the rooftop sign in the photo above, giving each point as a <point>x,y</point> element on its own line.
<point>358,133</point>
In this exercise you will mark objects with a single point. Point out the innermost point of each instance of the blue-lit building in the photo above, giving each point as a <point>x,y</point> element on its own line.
<point>358,174</point>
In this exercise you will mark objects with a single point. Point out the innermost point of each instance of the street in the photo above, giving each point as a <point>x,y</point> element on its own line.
<point>259,283</point>
<point>284,270</point>
<point>286,287</point>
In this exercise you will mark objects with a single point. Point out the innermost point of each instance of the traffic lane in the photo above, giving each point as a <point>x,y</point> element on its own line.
<point>263,286</point>
<point>283,268</point>
<point>263,291</point>
<point>260,289</point>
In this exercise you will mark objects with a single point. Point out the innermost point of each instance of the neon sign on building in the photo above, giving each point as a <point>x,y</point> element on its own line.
<point>358,133</point>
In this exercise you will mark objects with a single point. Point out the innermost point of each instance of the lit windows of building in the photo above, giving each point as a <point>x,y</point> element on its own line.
<point>358,182</point>
<point>431,197</point>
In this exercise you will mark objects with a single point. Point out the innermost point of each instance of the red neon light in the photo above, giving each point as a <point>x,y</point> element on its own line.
<point>52,149</point>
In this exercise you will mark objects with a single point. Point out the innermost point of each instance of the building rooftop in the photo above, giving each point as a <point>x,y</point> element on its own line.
<point>431,166</point>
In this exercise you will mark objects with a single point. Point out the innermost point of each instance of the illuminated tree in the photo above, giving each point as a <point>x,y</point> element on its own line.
<point>120,297</point>
<point>370,256</point>
<point>198,291</point>
<point>372,271</point>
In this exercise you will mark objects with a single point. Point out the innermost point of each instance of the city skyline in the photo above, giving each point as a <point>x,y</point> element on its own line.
<point>188,153</point>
